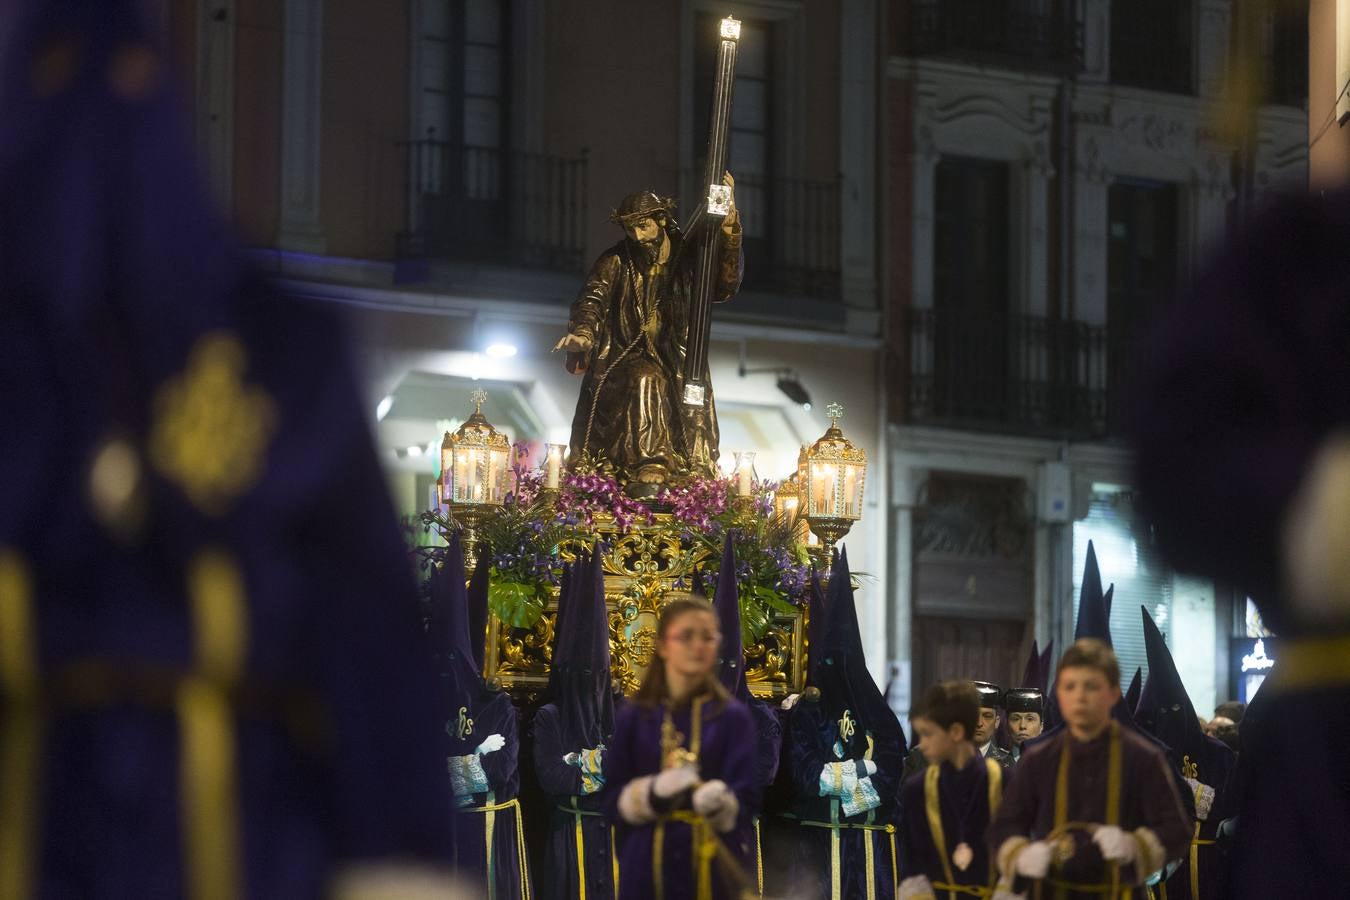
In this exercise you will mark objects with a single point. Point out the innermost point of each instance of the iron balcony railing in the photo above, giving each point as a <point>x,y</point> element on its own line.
<point>1014,374</point>
<point>492,205</point>
<point>1037,34</point>
<point>790,231</point>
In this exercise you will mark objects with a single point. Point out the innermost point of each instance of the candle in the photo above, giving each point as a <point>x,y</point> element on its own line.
<point>553,466</point>
<point>745,473</point>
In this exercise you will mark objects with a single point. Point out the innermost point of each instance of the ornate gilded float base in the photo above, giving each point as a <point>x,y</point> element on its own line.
<point>643,570</point>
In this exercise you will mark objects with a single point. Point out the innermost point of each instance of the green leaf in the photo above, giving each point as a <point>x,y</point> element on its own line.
<point>774,600</point>
<point>515,603</point>
<point>754,622</point>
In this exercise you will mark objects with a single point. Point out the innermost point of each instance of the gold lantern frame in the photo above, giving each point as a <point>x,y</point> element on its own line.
<point>479,454</point>
<point>834,451</point>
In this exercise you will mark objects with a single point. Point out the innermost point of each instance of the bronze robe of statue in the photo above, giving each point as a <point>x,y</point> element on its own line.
<point>631,411</point>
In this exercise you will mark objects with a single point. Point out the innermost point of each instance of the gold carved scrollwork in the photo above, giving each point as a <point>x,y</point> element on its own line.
<point>643,568</point>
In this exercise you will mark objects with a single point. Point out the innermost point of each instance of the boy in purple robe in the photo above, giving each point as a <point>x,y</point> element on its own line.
<point>1092,810</point>
<point>683,781</point>
<point>571,733</point>
<point>847,757</point>
<point>949,805</point>
<point>206,688</point>
<point>482,749</point>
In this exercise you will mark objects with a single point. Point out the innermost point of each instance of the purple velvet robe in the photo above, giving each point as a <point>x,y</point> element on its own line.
<point>724,753</point>
<point>1148,799</point>
<point>477,824</point>
<point>579,847</point>
<point>963,803</point>
<point>812,738</point>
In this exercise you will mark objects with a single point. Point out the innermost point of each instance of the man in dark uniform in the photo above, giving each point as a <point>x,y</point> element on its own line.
<point>986,726</point>
<point>1025,708</point>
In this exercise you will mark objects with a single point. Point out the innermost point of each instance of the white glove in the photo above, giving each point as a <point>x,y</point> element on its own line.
<point>572,759</point>
<point>1033,860</point>
<point>1116,845</point>
<point>790,701</point>
<point>673,782</point>
<point>491,744</point>
<point>915,887</point>
<point>710,797</point>
<point>714,801</point>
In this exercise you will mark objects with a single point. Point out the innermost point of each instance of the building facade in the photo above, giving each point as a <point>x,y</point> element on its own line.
<point>1053,172</point>
<point>445,169</point>
<point>960,217</point>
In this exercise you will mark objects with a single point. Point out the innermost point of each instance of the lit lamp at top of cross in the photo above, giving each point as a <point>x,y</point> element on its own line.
<point>475,469</point>
<point>834,474</point>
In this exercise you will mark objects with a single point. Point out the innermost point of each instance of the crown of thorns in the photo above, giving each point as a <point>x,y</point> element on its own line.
<point>639,206</point>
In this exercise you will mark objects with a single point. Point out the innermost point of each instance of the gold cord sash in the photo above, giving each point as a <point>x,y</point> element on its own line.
<point>206,723</point>
<point>1063,825</point>
<point>933,809</point>
<point>202,699</point>
<point>21,729</point>
<point>490,810</point>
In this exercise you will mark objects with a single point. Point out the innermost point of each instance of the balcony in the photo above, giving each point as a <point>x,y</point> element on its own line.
<point>1019,34</point>
<point>483,204</point>
<point>1016,374</point>
<point>791,232</point>
<point>1151,45</point>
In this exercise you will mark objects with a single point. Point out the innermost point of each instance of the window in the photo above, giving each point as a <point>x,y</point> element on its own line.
<point>1141,270</point>
<point>463,71</point>
<point>1151,44</point>
<point>970,285</point>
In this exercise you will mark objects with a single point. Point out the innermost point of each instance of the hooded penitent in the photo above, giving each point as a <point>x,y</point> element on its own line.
<point>1133,692</point>
<point>1242,408</point>
<point>1207,765</point>
<point>1094,607</point>
<point>845,683</point>
<point>815,635</point>
<point>847,758</point>
<point>462,685</point>
<point>478,606</point>
<point>731,666</point>
<point>199,561</point>
<point>579,681</point>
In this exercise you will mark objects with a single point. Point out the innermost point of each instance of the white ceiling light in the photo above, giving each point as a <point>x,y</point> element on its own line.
<point>501,351</point>
<point>383,409</point>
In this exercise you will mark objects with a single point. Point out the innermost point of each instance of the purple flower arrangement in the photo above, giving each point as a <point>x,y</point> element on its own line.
<point>523,538</point>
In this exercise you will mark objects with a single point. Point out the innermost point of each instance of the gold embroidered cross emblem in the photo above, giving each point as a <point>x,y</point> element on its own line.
<point>1188,768</point>
<point>210,430</point>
